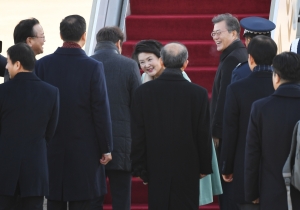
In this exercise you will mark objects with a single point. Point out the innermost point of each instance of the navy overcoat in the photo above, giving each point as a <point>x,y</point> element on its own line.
<point>239,98</point>
<point>84,128</point>
<point>269,137</point>
<point>28,117</point>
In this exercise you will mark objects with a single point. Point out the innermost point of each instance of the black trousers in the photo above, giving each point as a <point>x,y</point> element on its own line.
<point>120,187</point>
<point>249,206</point>
<point>225,201</point>
<point>73,205</point>
<point>19,203</point>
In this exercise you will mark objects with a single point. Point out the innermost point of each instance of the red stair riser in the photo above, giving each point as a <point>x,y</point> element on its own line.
<point>152,7</point>
<point>197,27</point>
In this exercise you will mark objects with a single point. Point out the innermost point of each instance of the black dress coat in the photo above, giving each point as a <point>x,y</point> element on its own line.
<point>28,117</point>
<point>171,140</point>
<point>239,98</point>
<point>269,136</point>
<point>122,78</point>
<point>233,55</point>
<point>83,132</point>
<point>3,63</point>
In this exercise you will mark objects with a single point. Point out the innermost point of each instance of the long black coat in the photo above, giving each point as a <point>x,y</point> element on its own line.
<point>83,132</point>
<point>28,116</point>
<point>239,98</point>
<point>269,136</point>
<point>122,78</point>
<point>233,55</point>
<point>171,140</point>
<point>2,65</point>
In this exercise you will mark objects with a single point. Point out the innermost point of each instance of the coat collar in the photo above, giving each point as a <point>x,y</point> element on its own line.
<point>234,45</point>
<point>70,51</point>
<point>288,90</point>
<point>260,74</point>
<point>25,76</point>
<point>171,74</point>
<point>107,46</point>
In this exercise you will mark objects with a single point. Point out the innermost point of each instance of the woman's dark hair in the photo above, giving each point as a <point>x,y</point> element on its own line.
<point>287,66</point>
<point>146,46</point>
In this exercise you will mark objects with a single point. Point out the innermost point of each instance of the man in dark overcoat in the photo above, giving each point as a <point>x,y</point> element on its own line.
<point>226,34</point>
<point>239,98</point>
<point>171,143</point>
<point>269,136</point>
<point>122,78</point>
<point>83,136</point>
<point>28,115</point>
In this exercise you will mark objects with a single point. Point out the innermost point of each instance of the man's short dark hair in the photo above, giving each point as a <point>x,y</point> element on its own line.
<point>232,23</point>
<point>287,66</point>
<point>24,54</point>
<point>72,28</point>
<point>147,46</point>
<point>113,34</point>
<point>263,50</point>
<point>24,29</point>
<point>172,57</point>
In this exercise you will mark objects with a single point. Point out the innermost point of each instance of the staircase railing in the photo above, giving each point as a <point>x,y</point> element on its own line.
<point>105,13</point>
<point>285,14</point>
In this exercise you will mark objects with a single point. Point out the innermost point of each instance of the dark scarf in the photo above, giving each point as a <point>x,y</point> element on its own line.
<point>263,68</point>
<point>71,45</point>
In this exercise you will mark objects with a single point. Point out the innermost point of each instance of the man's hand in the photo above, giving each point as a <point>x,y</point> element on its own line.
<point>216,142</point>
<point>105,158</point>
<point>256,201</point>
<point>227,177</point>
<point>202,175</point>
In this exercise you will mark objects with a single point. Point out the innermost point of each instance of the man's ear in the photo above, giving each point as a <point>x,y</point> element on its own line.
<point>118,44</point>
<point>29,41</point>
<point>161,62</point>
<point>185,65</point>
<point>251,60</point>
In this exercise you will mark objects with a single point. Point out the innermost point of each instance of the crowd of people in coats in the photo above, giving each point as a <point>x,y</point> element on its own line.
<point>69,122</point>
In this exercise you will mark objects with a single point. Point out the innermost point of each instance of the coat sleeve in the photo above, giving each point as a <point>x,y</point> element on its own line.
<point>204,138</point>
<point>253,155</point>
<point>230,132</point>
<point>135,80</point>
<point>138,146</point>
<point>235,76</point>
<point>51,127</point>
<point>101,110</point>
<point>217,122</point>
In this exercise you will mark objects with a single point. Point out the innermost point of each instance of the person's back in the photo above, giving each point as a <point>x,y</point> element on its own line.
<point>122,78</point>
<point>29,115</point>
<point>269,136</point>
<point>170,118</point>
<point>83,133</point>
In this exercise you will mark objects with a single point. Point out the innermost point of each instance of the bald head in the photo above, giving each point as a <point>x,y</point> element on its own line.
<point>174,55</point>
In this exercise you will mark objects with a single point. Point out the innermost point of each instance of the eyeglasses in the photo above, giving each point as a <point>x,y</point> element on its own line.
<point>41,37</point>
<point>214,33</point>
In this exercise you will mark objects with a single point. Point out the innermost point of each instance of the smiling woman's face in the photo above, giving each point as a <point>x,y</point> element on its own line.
<point>150,64</point>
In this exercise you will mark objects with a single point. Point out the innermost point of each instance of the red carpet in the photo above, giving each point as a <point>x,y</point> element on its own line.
<point>189,22</point>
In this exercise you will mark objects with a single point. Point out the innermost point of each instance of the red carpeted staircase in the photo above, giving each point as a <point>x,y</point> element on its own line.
<point>189,22</point>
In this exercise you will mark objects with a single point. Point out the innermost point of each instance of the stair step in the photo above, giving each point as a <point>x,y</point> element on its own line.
<point>197,7</point>
<point>177,27</point>
<point>145,207</point>
<point>198,51</point>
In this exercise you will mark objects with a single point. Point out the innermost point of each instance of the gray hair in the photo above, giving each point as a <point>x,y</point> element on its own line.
<point>174,55</point>
<point>232,23</point>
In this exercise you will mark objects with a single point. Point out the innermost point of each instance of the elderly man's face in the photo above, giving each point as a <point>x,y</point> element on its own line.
<point>38,40</point>
<point>222,37</point>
